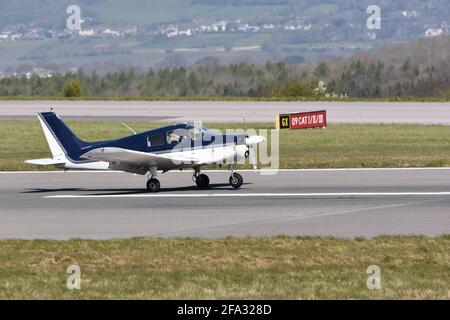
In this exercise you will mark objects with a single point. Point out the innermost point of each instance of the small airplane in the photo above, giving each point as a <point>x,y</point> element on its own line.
<point>167,148</point>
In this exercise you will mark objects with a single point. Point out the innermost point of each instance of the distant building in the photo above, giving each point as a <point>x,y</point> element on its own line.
<point>410,14</point>
<point>298,27</point>
<point>244,27</point>
<point>15,36</point>
<point>434,32</point>
<point>248,28</point>
<point>130,31</point>
<point>111,33</point>
<point>87,33</point>
<point>41,73</point>
<point>445,26</point>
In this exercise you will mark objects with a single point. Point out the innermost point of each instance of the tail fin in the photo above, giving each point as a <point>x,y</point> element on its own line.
<point>61,140</point>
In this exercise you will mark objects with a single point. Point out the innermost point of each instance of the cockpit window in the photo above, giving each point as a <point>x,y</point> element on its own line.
<point>155,140</point>
<point>177,136</point>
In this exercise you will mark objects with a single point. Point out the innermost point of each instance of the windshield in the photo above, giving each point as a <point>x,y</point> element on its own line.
<point>197,132</point>
<point>200,134</point>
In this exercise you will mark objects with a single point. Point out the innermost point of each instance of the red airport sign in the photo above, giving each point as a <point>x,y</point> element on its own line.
<point>302,120</point>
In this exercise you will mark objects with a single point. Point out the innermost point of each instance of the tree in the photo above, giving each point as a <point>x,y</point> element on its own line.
<point>72,89</point>
<point>295,89</point>
<point>194,83</point>
<point>322,70</point>
<point>296,59</point>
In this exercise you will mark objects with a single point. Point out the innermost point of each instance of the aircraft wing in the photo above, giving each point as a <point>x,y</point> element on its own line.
<point>137,158</point>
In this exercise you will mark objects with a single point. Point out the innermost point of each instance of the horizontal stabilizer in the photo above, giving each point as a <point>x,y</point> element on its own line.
<point>45,162</point>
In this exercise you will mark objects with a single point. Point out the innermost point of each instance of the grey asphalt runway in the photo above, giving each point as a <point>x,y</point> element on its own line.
<point>214,111</point>
<point>341,203</point>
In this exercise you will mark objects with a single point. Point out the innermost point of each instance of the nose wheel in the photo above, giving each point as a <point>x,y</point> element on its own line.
<point>236,180</point>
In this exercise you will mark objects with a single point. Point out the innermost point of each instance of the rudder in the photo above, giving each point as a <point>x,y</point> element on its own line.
<point>59,136</point>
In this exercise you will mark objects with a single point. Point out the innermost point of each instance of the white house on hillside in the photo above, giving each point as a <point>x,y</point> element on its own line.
<point>433,32</point>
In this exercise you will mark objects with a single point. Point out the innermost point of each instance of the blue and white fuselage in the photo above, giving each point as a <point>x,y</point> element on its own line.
<point>167,148</point>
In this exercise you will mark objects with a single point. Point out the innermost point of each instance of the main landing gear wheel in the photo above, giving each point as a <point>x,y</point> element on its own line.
<point>236,180</point>
<point>153,185</point>
<point>202,181</point>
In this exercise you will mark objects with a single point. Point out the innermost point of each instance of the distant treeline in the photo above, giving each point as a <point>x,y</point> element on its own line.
<point>418,69</point>
<point>232,80</point>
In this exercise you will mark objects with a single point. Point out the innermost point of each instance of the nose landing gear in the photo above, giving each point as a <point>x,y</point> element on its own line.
<point>236,179</point>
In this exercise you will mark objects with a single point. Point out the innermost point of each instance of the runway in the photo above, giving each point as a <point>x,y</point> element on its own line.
<point>336,202</point>
<point>216,111</point>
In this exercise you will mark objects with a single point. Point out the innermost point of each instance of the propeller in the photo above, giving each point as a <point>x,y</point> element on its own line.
<point>243,116</point>
<point>251,142</point>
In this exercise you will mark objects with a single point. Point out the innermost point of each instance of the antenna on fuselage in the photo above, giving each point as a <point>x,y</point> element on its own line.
<point>243,119</point>
<point>134,132</point>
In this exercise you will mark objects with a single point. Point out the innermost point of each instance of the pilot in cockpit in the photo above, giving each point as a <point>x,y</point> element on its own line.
<point>177,136</point>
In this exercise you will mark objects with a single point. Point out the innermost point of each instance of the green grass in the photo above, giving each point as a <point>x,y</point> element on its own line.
<point>339,145</point>
<point>210,40</point>
<point>252,268</point>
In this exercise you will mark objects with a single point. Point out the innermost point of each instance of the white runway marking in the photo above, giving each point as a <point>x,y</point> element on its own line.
<point>232,195</point>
